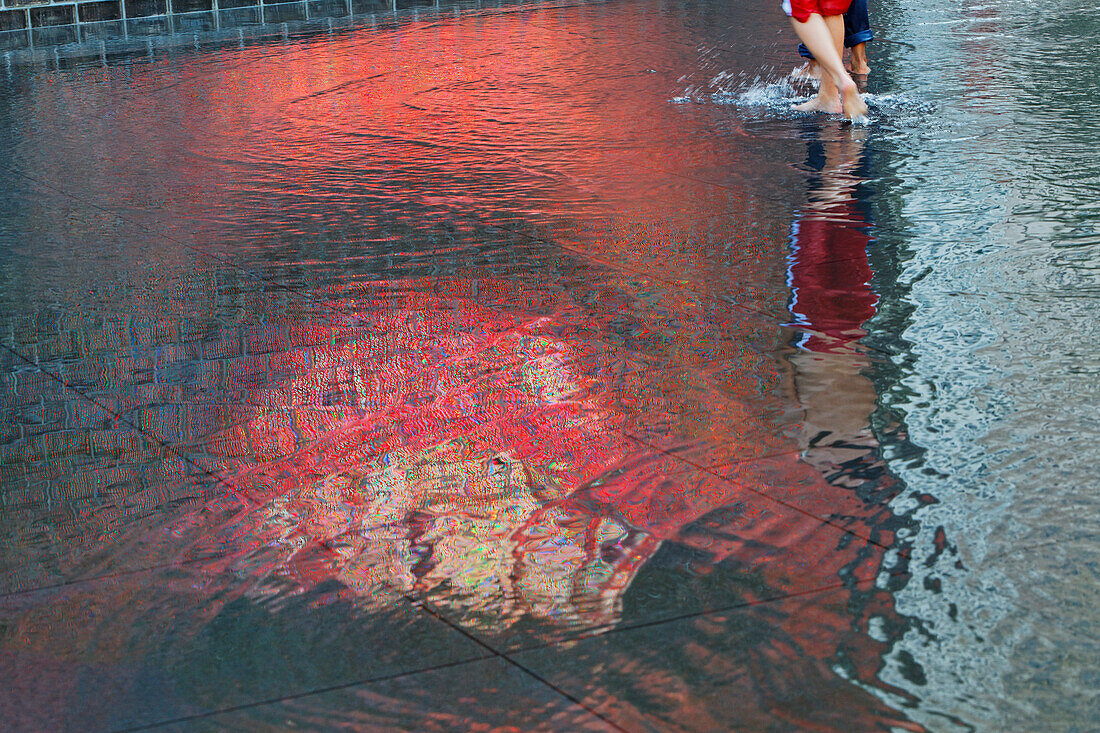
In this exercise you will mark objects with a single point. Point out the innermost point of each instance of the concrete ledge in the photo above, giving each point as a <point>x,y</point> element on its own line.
<point>32,31</point>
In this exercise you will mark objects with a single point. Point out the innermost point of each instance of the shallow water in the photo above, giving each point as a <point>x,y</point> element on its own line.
<point>536,366</point>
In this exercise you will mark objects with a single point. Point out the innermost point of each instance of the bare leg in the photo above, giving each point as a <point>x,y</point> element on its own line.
<point>825,39</point>
<point>859,59</point>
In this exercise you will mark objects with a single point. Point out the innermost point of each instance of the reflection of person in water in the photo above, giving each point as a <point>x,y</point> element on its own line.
<point>831,298</point>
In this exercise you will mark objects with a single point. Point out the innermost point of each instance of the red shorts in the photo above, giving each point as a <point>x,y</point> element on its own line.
<point>801,10</point>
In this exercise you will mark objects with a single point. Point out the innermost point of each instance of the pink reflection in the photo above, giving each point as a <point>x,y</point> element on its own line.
<point>432,442</point>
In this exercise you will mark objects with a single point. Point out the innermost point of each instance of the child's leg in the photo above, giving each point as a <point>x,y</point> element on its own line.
<point>825,39</point>
<point>857,31</point>
<point>859,59</point>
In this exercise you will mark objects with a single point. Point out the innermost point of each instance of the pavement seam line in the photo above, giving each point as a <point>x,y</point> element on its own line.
<point>53,587</point>
<point>442,618</point>
<point>296,696</point>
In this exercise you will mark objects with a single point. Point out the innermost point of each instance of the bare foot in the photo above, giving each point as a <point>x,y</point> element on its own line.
<point>808,70</point>
<point>859,59</point>
<point>829,104</point>
<point>854,106</point>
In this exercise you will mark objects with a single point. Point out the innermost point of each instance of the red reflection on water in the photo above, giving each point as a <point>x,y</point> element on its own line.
<point>474,445</point>
<point>437,441</point>
<point>830,276</point>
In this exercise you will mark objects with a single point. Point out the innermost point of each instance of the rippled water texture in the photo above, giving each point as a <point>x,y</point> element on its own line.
<point>536,366</point>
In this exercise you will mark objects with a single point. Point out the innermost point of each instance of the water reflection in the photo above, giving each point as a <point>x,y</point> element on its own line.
<point>533,379</point>
<point>430,441</point>
<point>433,442</point>
<point>477,456</point>
<point>831,298</point>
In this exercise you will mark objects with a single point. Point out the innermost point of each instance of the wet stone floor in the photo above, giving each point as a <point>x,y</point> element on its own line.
<point>534,367</point>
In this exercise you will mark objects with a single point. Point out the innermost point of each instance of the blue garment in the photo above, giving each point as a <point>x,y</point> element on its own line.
<point>857,28</point>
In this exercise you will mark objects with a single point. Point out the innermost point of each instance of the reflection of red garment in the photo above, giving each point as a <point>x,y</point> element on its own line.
<point>830,277</point>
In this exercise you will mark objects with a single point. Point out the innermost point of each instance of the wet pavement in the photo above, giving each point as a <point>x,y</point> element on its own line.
<point>535,366</point>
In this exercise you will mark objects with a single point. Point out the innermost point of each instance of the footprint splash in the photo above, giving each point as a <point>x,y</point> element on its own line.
<point>775,97</point>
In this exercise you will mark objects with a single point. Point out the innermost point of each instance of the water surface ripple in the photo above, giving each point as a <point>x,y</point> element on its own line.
<point>536,366</point>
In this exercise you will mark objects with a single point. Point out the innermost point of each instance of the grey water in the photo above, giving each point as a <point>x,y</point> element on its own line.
<point>535,365</point>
